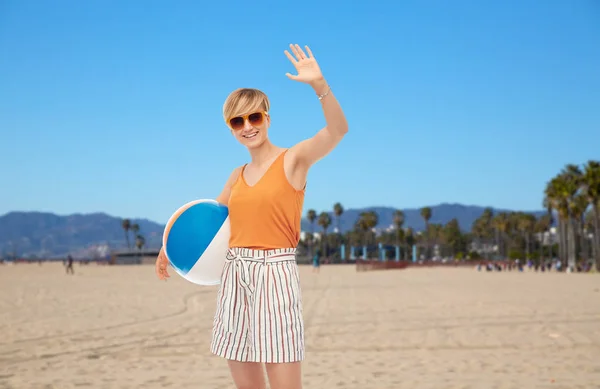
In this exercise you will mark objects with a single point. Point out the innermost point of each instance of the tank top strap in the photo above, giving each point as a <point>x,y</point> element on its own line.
<point>276,170</point>
<point>239,176</point>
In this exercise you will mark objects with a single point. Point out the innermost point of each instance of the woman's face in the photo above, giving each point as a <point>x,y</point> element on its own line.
<point>250,129</point>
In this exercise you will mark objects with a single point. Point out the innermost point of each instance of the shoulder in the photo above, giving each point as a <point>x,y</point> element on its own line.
<point>237,171</point>
<point>235,174</point>
<point>223,197</point>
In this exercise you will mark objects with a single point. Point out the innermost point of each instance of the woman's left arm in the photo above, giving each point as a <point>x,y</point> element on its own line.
<point>317,147</point>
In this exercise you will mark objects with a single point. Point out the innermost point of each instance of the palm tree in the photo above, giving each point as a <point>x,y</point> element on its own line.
<point>542,226</point>
<point>453,238</point>
<point>372,219</point>
<point>126,224</point>
<point>354,238</point>
<point>478,232</point>
<point>590,218</point>
<point>501,224</point>
<point>591,189</point>
<point>325,222</point>
<point>561,193</point>
<point>338,210</point>
<point>554,201</point>
<point>426,215</point>
<point>487,229</point>
<point>398,222</point>
<point>526,225</point>
<point>572,180</point>
<point>366,222</point>
<point>135,229</point>
<point>140,242</point>
<point>574,196</point>
<point>410,242</point>
<point>483,230</point>
<point>434,238</point>
<point>580,206</point>
<point>311,215</point>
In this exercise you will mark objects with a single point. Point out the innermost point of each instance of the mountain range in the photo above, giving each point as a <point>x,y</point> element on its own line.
<point>46,234</point>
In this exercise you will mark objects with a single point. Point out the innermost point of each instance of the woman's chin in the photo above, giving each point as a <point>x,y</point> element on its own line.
<point>253,142</point>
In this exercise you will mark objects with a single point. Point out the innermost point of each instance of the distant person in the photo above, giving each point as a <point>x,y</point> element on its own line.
<point>316,261</point>
<point>69,267</point>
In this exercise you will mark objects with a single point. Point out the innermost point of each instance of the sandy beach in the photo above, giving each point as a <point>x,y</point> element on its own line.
<point>119,327</point>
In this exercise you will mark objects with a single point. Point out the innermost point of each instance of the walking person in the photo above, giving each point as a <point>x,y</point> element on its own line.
<point>316,261</point>
<point>69,265</point>
<point>258,321</point>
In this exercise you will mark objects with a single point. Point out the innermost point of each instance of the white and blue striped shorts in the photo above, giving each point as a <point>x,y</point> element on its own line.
<point>259,308</point>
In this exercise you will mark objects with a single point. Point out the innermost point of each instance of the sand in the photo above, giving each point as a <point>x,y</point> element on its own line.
<point>119,327</point>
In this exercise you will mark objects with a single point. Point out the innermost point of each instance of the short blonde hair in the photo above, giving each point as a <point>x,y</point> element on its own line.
<point>245,100</point>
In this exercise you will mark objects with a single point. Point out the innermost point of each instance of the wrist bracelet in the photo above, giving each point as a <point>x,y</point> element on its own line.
<point>325,94</point>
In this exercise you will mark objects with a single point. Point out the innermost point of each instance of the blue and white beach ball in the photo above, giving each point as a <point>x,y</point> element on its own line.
<point>196,239</point>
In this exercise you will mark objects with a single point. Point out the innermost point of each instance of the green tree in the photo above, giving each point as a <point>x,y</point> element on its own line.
<point>591,189</point>
<point>426,215</point>
<point>126,225</point>
<point>311,215</point>
<point>338,210</point>
<point>325,221</point>
<point>454,238</point>
<point>398,222</point>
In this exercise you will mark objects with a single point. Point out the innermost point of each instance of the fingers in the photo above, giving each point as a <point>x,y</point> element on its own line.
<point>163,274</point>
<point>161,269</point>
<point>292,59</point>
<point>310,54</point>
<point>298,51</point>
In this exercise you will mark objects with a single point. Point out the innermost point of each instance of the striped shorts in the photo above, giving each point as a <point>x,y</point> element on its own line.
<point>259,308</point>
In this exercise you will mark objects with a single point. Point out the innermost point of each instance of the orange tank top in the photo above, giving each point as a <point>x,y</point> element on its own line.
<point>266,215</point>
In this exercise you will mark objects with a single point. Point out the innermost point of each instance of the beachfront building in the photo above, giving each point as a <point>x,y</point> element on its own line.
<point>133,257</point>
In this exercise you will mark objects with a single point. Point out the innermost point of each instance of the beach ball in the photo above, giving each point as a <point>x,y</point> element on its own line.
<point>196,240</point>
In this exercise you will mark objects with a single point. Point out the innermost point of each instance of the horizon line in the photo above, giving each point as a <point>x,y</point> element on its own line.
<point>305,210</point>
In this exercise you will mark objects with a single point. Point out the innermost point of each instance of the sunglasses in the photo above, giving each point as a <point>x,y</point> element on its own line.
<point>255,119</point>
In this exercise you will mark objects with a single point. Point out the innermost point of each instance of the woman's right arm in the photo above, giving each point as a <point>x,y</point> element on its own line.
<point>223,198</point>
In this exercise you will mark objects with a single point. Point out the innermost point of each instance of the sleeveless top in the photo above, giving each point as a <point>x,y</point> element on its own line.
<point>266,215</point>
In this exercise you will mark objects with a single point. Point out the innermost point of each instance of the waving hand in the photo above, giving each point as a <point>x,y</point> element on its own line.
<point>306,65</point>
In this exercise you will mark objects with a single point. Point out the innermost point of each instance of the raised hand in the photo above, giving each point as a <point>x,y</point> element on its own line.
<point>305,64</point>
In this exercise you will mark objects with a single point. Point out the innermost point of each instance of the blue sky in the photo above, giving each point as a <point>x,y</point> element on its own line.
<point>115,106</point>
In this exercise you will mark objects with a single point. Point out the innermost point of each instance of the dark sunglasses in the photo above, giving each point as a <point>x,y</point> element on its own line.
<point>255,119</point>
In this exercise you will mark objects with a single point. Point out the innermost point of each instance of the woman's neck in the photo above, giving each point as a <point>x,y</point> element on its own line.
<point>264,153</point>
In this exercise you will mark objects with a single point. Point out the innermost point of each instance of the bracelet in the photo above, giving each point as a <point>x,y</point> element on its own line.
<point>325,94</point>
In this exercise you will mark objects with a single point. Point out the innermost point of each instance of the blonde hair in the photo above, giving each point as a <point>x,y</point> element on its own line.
<point>245,100</point>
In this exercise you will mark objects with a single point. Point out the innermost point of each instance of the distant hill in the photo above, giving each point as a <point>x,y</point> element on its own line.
<point>37,232</point>
<point>33,233</point>
<point>441,214</point>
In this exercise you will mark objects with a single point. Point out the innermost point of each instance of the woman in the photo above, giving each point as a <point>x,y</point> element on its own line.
<point>258,319</point>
